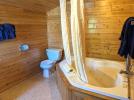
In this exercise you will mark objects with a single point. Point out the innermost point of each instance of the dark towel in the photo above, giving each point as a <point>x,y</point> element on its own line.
<point>1,33</point>
<point>9,31</point>
<point>127,39</point>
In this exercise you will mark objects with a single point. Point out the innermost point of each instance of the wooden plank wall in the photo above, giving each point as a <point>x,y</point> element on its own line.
<point>54,29</point>
<point>31,29</point>
<point>104,21</point>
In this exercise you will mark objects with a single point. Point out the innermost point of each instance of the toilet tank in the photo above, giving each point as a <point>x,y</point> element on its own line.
<point>54,54</point>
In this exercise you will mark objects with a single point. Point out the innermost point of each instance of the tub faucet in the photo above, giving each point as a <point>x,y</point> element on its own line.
<point>129,66</point>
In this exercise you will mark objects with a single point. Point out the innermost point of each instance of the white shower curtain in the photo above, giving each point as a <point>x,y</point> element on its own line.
<point>65,31</point>
<point>77,33</point>
<point>78,37</point>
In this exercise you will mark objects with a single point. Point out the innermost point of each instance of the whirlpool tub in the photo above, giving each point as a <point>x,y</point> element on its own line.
<point>105,80</point>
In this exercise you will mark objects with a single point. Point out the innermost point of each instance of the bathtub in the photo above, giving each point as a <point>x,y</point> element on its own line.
<point>103,75</point>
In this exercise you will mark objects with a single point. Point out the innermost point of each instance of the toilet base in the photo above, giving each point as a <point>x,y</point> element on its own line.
<point>46,73</point>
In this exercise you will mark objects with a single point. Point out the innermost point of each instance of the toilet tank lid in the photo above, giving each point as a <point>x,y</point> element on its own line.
<point>53,49</point>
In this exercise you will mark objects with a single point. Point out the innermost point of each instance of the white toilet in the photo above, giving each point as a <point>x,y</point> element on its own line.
<point>53,55</point>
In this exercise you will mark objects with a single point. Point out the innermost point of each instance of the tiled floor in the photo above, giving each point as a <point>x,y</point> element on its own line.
<point>35,88</point>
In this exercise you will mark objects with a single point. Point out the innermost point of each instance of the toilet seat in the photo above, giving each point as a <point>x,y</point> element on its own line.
<point>46,64</point>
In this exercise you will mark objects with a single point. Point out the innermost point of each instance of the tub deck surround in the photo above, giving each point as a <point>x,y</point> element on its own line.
<point>105,83</point>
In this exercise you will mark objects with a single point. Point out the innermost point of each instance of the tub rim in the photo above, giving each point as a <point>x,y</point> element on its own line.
<point>90,88</point>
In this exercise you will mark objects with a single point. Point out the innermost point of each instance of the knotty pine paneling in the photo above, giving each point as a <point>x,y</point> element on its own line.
<point>105,19</point>
<point>41,6</point>
<point>31,28</point>
<point>54,29</point>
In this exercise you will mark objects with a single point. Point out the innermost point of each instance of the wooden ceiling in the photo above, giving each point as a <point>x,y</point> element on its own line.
<point>33,5</point>
<point>40,6</point>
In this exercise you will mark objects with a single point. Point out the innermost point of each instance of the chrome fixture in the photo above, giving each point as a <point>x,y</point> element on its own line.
<point>129,66</point>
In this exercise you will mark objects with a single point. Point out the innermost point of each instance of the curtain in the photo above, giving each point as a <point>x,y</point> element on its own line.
<point>77,34</point>
<point>78,37</point>
<point>65,31</point>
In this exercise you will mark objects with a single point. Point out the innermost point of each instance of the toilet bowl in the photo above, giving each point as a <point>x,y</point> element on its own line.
<point>53,55</point>
<point>46,65</point>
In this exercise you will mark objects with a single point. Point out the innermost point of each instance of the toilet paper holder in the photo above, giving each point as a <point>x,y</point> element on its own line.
<point>24,47</point>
